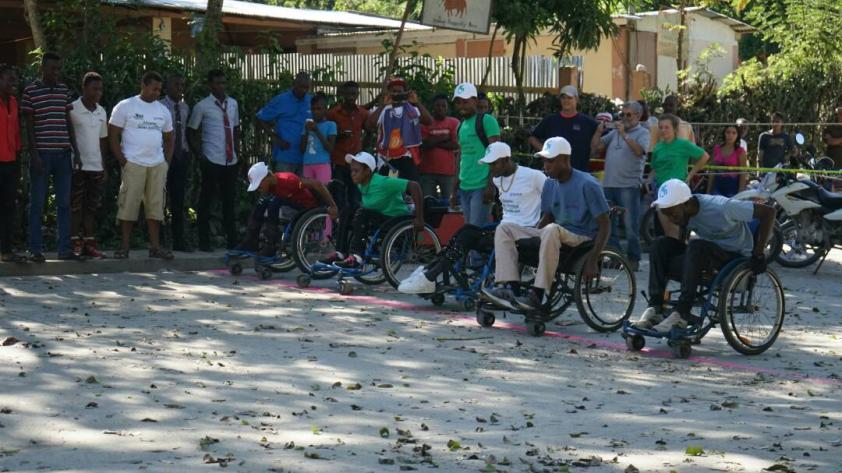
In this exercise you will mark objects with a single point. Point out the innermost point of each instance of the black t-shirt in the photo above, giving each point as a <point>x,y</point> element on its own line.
<point>578,130</point>
<point>774,147</point>
<point>834,152</point>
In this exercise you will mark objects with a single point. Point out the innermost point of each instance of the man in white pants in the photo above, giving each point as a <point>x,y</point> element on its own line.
<point>574,211</point>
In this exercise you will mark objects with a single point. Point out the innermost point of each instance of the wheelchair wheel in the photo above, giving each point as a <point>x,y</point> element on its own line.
<point>310,242</point>
<point>403,250</point>
<point>535,328</point>
<point>607,300</point>
<point>236,269</point>
<point>751,310</point>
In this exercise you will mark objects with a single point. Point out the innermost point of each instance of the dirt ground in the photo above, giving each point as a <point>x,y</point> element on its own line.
<point>178,372</point>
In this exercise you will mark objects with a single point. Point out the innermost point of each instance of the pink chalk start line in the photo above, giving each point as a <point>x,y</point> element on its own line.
<point>577,339</point>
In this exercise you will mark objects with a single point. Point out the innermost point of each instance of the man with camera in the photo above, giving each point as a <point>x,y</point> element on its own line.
<point>625,148</point>
<point>398,122</point>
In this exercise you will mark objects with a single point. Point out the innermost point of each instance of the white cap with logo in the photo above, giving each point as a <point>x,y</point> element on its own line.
<point>570,91</point>
<point>465,90</point>
<point>257,172</point>
<point>671,193</point>
<point>363,158</point>
<point>495,151</point>
<point>553,147</point>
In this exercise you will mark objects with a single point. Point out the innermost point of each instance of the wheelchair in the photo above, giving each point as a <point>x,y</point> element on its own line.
<point>604,302</point>
<point>749,309</point>
<point>393,252</point>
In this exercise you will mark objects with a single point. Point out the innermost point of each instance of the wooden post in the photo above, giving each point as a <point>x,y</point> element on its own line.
<point>410,4</point>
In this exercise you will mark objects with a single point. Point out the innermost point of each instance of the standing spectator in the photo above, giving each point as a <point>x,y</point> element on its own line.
<point>140,133</point>
<point>438,150</point>
<point>625,151</point>
<point>476,132</point>
<point>398,121</point>
<point>832,137</point>
<point>46,110</point>
<point>684,130</point>
<point>318,141</point>
<point>647,119</point>
<point>218,144</point>
<point>774,146</point>
<point>90,125</point>
<point>577,128</point>
<point>484,104</point>
<point>728,153</point>
<point>350,119</point>
<point>10,147</point>
<point>742,133</point>
<point>179,171</point>
<point>283,118</point>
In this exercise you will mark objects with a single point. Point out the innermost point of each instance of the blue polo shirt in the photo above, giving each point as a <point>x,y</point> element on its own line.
<point>288,113</point>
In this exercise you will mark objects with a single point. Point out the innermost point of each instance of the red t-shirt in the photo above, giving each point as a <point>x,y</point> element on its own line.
<point>289,188</point>
<point>439,160</point>
<point>9,130</point>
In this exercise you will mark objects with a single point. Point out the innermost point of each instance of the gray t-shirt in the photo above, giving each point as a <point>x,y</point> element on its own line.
<point>576,203</point>
<point>725,222</point>
<point>623,168</point>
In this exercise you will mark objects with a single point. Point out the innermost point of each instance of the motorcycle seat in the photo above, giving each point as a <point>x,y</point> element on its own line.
<point>832,200</point>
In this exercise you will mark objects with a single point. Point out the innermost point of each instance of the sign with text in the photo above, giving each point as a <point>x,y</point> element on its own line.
<point>464,15</point>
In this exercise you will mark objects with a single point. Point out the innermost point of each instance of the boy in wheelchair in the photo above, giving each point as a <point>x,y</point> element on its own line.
<point>382,200</point>
<point>519,188</point>
<point>723,234</point>
<point>281,189</point>
<point>574,211</point>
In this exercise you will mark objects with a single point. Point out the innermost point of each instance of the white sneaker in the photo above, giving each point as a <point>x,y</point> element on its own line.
<point>417,283</point>
<point>649,319</point>
<point>673,321</point>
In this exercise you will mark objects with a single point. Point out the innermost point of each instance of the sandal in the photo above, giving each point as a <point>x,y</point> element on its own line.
<point>160,253</point>
<point>121,254</point>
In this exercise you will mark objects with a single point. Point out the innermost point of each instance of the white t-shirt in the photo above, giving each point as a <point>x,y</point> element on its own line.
<point>520,195</point>
<point>89,128</point>
<point>143,125</point>
<point>208,115</point>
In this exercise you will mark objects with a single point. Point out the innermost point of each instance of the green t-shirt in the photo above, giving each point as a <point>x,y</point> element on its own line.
<point>670,160</point>
<point>473,175</point>
<point>385,195</point>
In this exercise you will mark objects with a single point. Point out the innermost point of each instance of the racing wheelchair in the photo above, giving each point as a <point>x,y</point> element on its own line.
<point>749,309</point>
<point>604,302</point>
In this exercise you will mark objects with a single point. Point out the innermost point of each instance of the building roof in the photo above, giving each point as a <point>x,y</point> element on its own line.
<point>733,23</point>
<point>258,10</point>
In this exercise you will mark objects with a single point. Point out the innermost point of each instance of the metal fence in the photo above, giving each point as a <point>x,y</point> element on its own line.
<point>542,73</point>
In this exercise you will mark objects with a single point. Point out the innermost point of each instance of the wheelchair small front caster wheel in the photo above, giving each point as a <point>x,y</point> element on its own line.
<point>681,350</point>
<point>635,342</point>
<point>536,329</point>
<point>437,299</point>
<point>470,304</point>
<point>303,281</point>
<point>266,274</point>
<point>345,288</point>
<point>235,269</point>
<point>484,318</point>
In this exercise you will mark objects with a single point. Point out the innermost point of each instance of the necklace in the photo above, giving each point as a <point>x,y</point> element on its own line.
<point>503,187</point>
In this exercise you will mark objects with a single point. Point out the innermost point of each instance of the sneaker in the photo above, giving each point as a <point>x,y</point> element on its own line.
<point>351,262</point>
<point>417,283</point>
<point>675,320</point>
<point>649,319</point>
<point>501,296</point>
<point>77,246</point>
<point>90,249</point>
<point>530,302</point>
<point>332,258</point>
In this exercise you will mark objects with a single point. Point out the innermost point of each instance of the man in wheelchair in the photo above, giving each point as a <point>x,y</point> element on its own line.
<point>382,200</point>
<point>519,188</point>
<point>281,189</point>
<point>574,211</point>
<point>722,233</point>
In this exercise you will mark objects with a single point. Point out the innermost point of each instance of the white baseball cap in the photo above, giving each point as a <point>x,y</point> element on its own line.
<point>570,91</point>
<point>465,90</point>
<point>257,172</point>
<point>554,147</point>
<point>363,158</point>
<point>495,151</point>
<point>671,193</point>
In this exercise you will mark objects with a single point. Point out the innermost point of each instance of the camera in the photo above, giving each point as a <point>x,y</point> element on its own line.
<point>402,97</point>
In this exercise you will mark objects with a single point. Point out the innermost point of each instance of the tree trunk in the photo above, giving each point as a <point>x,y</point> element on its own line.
<point>680,60</point>
<point>393,54</point>
<point>490,53</point>
<point>207,47</point>
<point>33,16</point>
<point>518,63</point>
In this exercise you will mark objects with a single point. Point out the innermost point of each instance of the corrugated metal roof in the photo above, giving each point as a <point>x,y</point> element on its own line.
<point>257,10</point>
<point>735,24</point>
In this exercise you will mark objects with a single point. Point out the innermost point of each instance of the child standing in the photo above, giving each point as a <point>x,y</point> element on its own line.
<point>317,142</point>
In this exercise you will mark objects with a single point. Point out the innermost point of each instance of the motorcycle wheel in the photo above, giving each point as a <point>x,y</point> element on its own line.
<point>795,253</point>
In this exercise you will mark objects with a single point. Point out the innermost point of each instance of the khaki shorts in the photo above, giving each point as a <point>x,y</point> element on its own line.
<point>141,184</point>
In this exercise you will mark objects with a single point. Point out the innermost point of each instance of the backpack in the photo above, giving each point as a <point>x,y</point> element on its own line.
<point>480,129</point>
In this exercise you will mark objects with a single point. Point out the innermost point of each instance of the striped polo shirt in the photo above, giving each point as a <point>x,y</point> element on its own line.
<point>49,107</point>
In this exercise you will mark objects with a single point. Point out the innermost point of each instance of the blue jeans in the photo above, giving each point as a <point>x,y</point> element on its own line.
<point>474,210</point>
<point>629,199</point>
<point>59,165</point>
